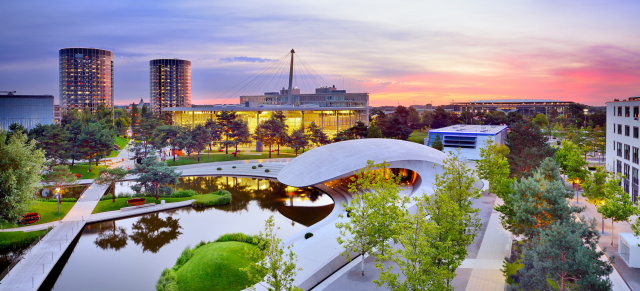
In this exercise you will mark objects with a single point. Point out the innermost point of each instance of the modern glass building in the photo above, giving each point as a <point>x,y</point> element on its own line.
<point>86,78</point>
<point>170,81</point>
<point>469,138</point>
<point>27,110</point>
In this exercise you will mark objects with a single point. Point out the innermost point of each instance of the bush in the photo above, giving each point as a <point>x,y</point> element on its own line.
<point>253,167</point>
<point>168,281</point>
<point>308,235</point>
<point>266,170</point>
<point>219,197</point>
<point>184,193</point>
<point>260,165</point>
<point>233,167</point>
<point>186,254</point>
<point>240,237</point>
<point>219,169</point>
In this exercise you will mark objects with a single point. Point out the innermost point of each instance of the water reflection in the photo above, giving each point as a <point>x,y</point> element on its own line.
<point>68,192</point>
<point>111,236</point>
<point>153,232</point>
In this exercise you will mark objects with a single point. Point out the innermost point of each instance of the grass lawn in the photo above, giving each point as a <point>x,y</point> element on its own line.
<point>109,205</point>
<point>121,142</point>
<point>215,266</point>
<point>418,136</point>
<point>48,212</point>
<point>16,239</point>
<point>83,169</point>
<point>193,159</point>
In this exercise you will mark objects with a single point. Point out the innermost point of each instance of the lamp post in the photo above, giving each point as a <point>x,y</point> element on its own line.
<point>585,118</point>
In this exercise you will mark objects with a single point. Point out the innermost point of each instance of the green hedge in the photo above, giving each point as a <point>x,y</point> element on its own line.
<point>184,193</point>
<point>219,197</point>
<point>56,200</point>
<point>240,237</point>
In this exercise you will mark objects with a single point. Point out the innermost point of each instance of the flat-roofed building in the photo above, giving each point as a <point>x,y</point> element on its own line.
<point>27,110</point>
<point>623,143</point>
<point>468,138</point>
<point>324,97</point>
<point>526,107</point>
<point>86,78</point>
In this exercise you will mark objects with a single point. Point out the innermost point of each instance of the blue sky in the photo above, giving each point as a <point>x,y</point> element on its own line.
<point>401,52</point>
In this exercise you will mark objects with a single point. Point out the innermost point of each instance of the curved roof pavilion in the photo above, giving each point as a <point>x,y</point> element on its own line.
<point>342,159</point>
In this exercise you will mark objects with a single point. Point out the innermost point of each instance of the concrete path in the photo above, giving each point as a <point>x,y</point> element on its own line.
<point>118,214</point>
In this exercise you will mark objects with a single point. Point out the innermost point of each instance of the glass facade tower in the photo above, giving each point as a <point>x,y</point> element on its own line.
<point>170,82</point>
<point>86,78</point>
<point>27,110</point>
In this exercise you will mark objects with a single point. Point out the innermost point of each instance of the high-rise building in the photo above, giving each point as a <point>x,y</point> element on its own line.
<point>86,78</point>
<point>623,143</point>
<point>170,83</point>
<point>26,110</point>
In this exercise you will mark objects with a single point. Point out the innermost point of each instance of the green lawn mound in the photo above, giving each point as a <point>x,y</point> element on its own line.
<point>220,197</point>
<point>213,266</point>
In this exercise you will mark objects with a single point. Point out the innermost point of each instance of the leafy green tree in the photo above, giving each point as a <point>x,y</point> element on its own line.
<point>267,132</point>
<point>60,177</point>
<point>144,131</point>
<point>373,210</point>
<point>167,135</point>
<point>540,120</point>
<point>215,131</point>
<point>95,142</point>
<point>493,166</point>
<point>594,189</point>
<point>374,131</point>
<point>225,118</point>
<point>619,206</point>
<point>275,263</point>
<point>527,148</point>
<point>441,118</point>
<point>570,159</point>
<point>200,136</point>
<point>565,258</point>
<point>185,141</point>
<point>110,177</point>
<point>20,165</point>
<point>154,176</point>
<point>240,133</point>
<point>74,148</point>
<point>536,202</point>
<point>437,143</point>
<point>15,128</point>
<point>298,140</point>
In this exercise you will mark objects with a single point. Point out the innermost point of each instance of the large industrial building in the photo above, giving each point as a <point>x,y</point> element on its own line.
<point>26,110</point>
<point>623,142</point>
<point>86,78</point>
<point>468,138</point>
<point>170,83</point>
<point>525,107</point>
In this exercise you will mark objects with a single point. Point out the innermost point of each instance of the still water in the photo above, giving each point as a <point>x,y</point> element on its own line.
<point>130,254</point>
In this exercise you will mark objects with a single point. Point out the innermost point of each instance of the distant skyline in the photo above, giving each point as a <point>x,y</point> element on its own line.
<point>401,52</point>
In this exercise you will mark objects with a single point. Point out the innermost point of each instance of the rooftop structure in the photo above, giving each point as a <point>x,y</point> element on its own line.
<point>468,138</point>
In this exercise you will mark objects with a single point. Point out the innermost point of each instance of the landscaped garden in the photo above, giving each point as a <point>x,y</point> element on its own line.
<point>121,142</point>
<point>48,211</point>
<point>219,197</point>
<point>11,240</point>
<point>83,169</point>
<point>193,159</point>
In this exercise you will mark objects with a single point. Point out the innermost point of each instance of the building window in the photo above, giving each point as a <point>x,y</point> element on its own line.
<point>635,155</point>
<point>619,148</point>
<point>634,175</point>
<point>627,111</point>
<point>626,130</point>
<point>619,167</point>
<point>627,152</point>
<point>619,128</point>
<point>619,110</point>
<point>636,112</point>
<point>635,132</point>
<point>614,128</point>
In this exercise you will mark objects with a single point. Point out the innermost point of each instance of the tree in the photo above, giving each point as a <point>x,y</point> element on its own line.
<point>215,131</point>
<point>437,143</point>
<point>493,166</point>
<point>540,120</point>
<point>594,189</point>
<point>441,118</point>
<point>528,147</point>
<point>273,266</point>
<point>317,137</point>
<point>374,131</point>
<point>536,202</point>
<point>74,147</point>
<point>53,140</point>
<point>373,210</point>
<point>20,165</point>
<point>95,142</point>
<point>566,258</point>
<point>572,163</point>
<point>144,131</point>
<point>154,176</point>
<point>619,206</point>
<point>168,135</point>
<point>60,177</point>
<point>240,133</point>
<point>15,128</point>
<point>225,118</point>
<point>267,132</point>
<point>110,177</point>
<point>298,140</point>
<point>200,136</point>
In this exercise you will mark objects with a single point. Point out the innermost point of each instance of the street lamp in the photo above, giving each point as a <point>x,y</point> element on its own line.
<point>585,118</point>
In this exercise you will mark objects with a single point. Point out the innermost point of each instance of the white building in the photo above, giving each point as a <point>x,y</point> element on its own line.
<point>623,142</point>
<point>469,138</point>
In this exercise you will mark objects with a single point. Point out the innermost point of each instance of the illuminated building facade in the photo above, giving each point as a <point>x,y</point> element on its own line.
<point>170,83</point>
<point>525,107</point>
<point>324,97</point>
<point>86,78</point>
<point>27,110</point>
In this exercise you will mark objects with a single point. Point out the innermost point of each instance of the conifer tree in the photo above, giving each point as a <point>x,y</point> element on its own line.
<point>437,143</point>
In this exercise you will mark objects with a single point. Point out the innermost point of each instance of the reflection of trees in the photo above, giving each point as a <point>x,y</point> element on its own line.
<point>111,237</point>
<point>153,232</point>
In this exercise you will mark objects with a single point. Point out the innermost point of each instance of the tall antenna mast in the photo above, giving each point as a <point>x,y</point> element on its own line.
<point>291,78</point>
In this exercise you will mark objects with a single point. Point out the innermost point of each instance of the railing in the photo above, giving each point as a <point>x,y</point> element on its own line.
<point>27,250</point>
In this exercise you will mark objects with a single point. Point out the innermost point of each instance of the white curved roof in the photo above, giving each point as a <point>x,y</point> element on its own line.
<point>342,159</point>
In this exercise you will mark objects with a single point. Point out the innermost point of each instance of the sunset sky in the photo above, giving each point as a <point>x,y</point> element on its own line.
<point>401,52</point>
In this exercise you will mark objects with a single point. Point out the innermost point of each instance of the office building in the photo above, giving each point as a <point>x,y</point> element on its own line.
<point>27,110</point>
<point>86,78</point>
<point>468,138</point>
<point>170,83</point>
<point>623,142</point>
<point>324,97</point>
<point>525,107</point>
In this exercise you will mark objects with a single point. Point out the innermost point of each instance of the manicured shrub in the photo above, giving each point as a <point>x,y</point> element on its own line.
<point>308,235</point>
<point>219,169</point>
<point>266,170</point>
<point>240,237</point>
<point>260,165</point>
<point>219,197</point>
<point>186,254</point>
<point>168,281</point>
<point>233,167</point>
<point>253,167</point>
<point>184,193</point>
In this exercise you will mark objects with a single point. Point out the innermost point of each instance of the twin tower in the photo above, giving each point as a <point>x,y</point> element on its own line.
<point>86,80</point>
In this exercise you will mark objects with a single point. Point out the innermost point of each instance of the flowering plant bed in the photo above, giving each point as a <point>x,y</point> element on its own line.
<point>78,175</point>
<point>136,201</point>
<point>29,218</point>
